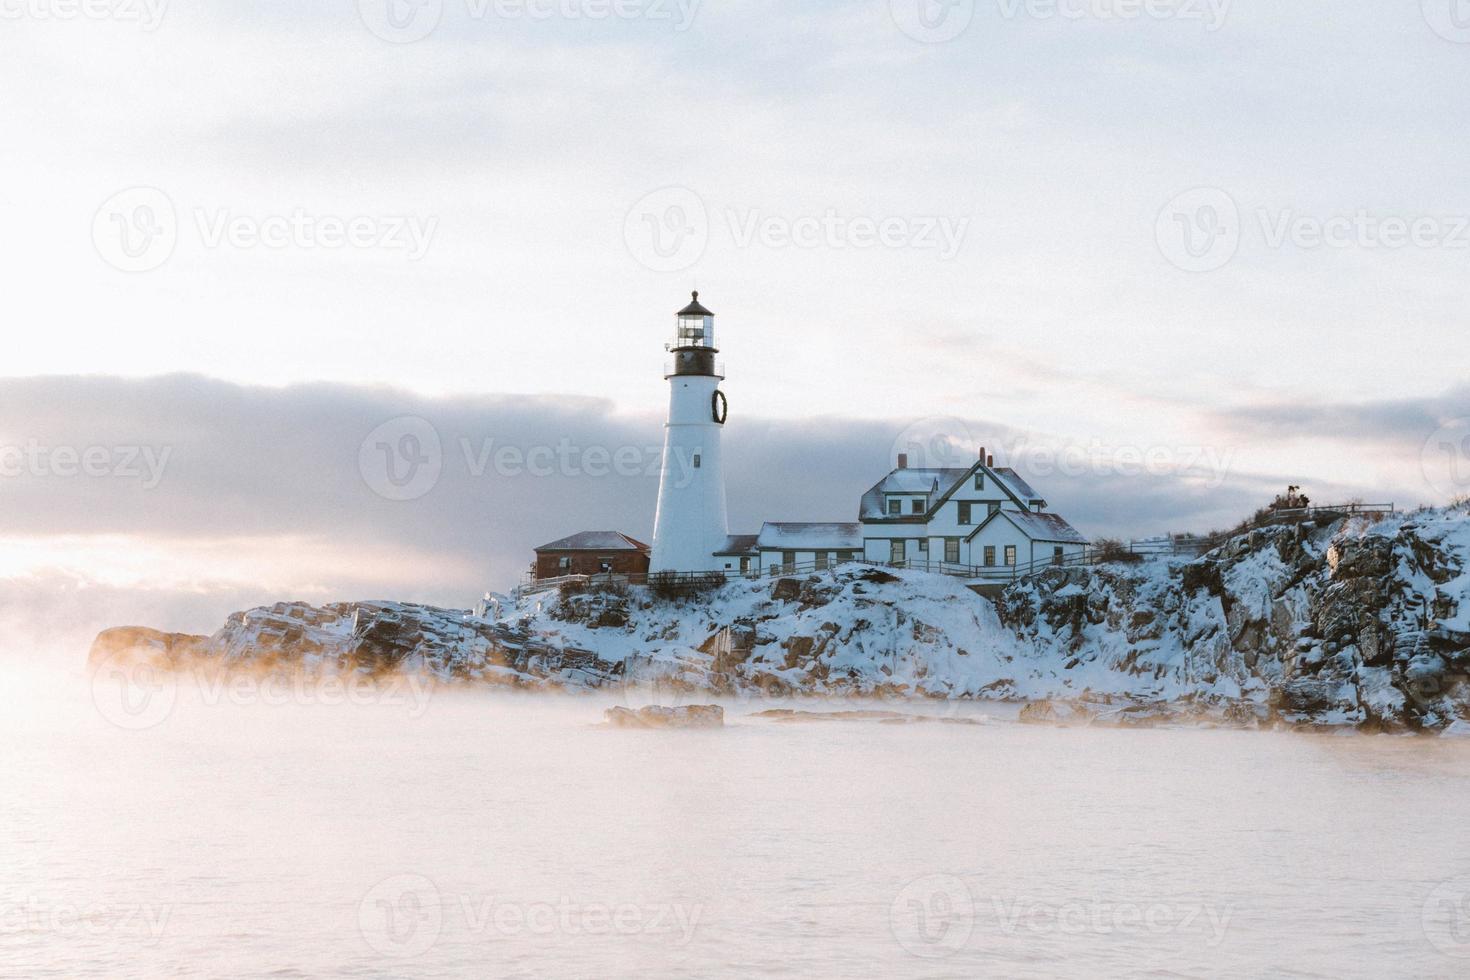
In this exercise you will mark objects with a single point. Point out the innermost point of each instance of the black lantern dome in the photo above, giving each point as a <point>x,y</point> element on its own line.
<point>695,307</point>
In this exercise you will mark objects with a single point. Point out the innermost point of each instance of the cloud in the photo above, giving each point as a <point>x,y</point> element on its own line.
<point>1397,421</point>
<point>300,470</point>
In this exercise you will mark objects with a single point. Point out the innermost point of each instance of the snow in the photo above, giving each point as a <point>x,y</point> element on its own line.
<point>595,541</point>
<point>1044,527</point>
<point>809,537</point>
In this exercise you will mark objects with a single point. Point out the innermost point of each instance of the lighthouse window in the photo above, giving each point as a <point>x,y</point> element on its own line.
<point>691,332</point>
<point>696,461</point>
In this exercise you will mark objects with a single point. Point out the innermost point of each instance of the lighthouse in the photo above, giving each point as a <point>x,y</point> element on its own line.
<point>690,524</point>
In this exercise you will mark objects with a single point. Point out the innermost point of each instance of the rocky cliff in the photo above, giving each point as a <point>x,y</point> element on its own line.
<point>1348,624</point>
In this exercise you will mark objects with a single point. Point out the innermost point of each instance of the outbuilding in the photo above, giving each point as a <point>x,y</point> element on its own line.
<point>592,553</point>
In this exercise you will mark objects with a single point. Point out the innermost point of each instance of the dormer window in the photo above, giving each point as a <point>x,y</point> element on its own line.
<point>917,505</point>
<point>895,506</point>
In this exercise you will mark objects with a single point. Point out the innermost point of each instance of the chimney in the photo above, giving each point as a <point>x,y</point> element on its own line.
<point>990,461</point>
<point>982,455</point>
<point>903,461</point>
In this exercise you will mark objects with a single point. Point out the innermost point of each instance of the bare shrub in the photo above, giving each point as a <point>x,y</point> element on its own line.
<point>1113,550</point>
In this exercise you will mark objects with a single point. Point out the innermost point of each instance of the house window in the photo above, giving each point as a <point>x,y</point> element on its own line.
<point>1010,554</point>
<point>895,551</point>
<point>990,556</point>
<point>604,564</point>
<point>564,562</point>
<point>952,550</point>
<point>788,559</point>
<point>846,555</point>
<point>917,505</point>
<point>745,564</point>
<point>979,481</point>
<point>1056,555</point>
<point>995,508</point>
<point>965,512</point>
<point>895,506</point>
<point>923,546</point>
<point>696,461</point>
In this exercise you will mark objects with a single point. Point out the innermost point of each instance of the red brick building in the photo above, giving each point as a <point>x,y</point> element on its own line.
<point>592,553</point>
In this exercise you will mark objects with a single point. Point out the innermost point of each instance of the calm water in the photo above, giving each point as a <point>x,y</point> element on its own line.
<point>474,835</point>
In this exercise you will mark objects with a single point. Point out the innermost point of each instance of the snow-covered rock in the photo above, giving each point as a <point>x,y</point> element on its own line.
<point>1351,624</point>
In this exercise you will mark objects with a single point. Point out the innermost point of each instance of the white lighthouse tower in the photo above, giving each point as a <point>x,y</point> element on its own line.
<point>690,525</point>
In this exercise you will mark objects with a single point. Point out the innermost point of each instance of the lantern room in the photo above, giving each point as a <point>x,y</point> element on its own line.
<point>696,326</point>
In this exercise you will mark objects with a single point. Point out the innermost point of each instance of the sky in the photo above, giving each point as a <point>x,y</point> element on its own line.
<point>1164,257</point>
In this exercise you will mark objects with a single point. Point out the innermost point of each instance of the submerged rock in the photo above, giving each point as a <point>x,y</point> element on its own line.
<point>1060,713</point>
<point>656,716</point>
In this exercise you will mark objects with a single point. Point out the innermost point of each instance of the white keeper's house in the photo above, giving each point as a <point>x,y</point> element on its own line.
<point>976,517</point>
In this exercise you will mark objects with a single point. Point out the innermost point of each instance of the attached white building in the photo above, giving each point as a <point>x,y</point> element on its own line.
<point>984,516</point>
<point>785,545</point>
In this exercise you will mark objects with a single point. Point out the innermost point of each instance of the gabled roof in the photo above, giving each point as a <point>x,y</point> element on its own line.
<point>1048,527</point>
<point>824,536</point>
<point>595,541</point>
<point>739,544</point>
<point>940,483</point>
<point>1020,486</point>
<point>907,480</point>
